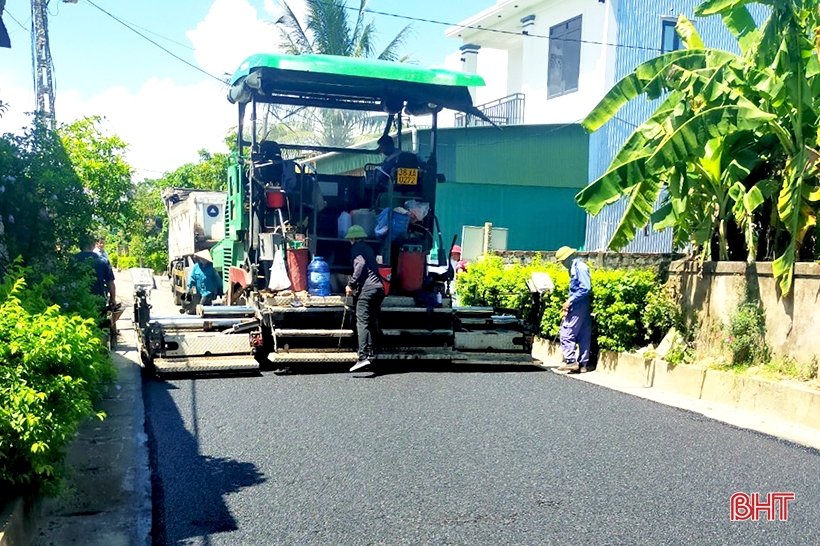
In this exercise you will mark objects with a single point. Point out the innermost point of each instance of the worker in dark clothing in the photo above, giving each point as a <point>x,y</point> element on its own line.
<point>103,284</point>
<point>103,273</point>
<point>391,156</point>
<point>366,286</point>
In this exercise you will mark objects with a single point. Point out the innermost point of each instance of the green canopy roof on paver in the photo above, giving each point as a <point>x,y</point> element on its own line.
<point>353,83</point>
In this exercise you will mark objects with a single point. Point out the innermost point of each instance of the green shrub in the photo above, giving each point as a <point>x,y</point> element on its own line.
<point>489,282</point>
<point>68,287</point>
<point>127,262</point>
<point>158,261</point>
<point>746,336</point>
<point>661,313</point>
<point>619,298</point>
<point>114,259</point>
<point>52,369</point>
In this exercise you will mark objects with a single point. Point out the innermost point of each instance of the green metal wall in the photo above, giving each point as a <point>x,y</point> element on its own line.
<point>538,218</point>
<point>523,178</point>
<point>554,156</point>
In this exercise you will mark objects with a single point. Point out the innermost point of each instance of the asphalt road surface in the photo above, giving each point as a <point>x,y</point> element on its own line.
<point>471,457</point>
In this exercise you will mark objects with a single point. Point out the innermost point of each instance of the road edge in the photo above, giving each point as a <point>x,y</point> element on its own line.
<point>729,406</point>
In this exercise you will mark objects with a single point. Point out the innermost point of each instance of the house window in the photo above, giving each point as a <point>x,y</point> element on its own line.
<point>670,41</point>
<point>564,58</point>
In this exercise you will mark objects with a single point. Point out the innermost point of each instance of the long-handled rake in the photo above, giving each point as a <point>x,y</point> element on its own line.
<point>342,327</point>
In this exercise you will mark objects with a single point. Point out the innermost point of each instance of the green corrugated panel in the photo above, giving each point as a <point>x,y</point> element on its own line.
<point>522,155</point>
<point>344,163</point>
<point>538,218</point>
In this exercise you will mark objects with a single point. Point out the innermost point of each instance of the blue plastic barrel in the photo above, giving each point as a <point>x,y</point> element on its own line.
<point>318,277</point>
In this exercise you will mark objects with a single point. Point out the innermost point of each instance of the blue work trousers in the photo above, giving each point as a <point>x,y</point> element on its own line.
<point>576,328</point>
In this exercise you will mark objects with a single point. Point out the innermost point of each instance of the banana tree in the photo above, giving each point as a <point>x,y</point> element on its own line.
<point>699,202</point>
<point>680,147</point>
<point>768,95</point>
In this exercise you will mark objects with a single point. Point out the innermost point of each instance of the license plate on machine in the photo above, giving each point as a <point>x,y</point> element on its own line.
<point>407,177</point>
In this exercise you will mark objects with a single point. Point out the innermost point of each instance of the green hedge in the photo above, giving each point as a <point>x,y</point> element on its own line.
<point>627,309</point>
<point>53,366</point>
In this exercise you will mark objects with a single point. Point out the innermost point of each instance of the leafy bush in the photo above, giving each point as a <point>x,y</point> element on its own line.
<point>52,369</point>
<point>127,262</point>
<point>489,282</point>
<point>158,261</point>
<point>746,336</point>
<point>661,313</point>
<point>68,288</point>
<point>619,298</point>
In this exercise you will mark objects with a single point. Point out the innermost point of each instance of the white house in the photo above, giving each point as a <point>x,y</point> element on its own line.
<point>561,79</point>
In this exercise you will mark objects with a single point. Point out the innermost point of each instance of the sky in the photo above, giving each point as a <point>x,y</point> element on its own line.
<point>162,107</point>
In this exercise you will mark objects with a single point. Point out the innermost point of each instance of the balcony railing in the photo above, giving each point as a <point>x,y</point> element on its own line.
<point>505,111</point>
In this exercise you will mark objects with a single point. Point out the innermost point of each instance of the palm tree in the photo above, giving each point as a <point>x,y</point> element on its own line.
<point>326,31</point>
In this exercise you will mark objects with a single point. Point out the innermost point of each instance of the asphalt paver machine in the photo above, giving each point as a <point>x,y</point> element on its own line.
<point>279,212</point>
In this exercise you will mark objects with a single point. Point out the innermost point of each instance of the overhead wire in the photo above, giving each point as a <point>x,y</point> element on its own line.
<point>158,35</point>
<point>626,122</point>
<point>13,18</point>
<point>169,52</point>
<point>499,31</point>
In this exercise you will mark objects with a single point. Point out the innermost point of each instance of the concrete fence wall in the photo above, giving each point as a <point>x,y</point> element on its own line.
<point>601,260</point>
<point>715,290</point>
<point>792,323</point>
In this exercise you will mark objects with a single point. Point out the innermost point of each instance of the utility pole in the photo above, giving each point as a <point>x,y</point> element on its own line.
<point>41,59</point>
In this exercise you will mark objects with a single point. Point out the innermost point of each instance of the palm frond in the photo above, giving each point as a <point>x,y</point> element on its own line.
<point>295,38</point>
<point>364,46</point>
<point>359,27</point>
<point>327,20</point>
<point>391,52</point>
<point>651,78</point>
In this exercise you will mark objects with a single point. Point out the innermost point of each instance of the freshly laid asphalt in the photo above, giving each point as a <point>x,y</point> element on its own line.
<point>464,456</point>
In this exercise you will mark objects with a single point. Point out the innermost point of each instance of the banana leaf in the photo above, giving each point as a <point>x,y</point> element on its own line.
<point>650,78</point>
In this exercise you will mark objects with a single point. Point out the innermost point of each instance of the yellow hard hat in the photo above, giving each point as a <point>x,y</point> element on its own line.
<point>563,253</point>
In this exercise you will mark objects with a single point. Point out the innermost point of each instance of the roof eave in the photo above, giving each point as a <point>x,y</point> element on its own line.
<point>480,18</point>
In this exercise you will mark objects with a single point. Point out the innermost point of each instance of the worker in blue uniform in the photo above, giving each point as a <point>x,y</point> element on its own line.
<point>576,326</point>
<point>205,279</point>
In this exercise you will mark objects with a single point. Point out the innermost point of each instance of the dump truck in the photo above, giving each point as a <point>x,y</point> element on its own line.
<point>196,222</point>
<point>279,210</point>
